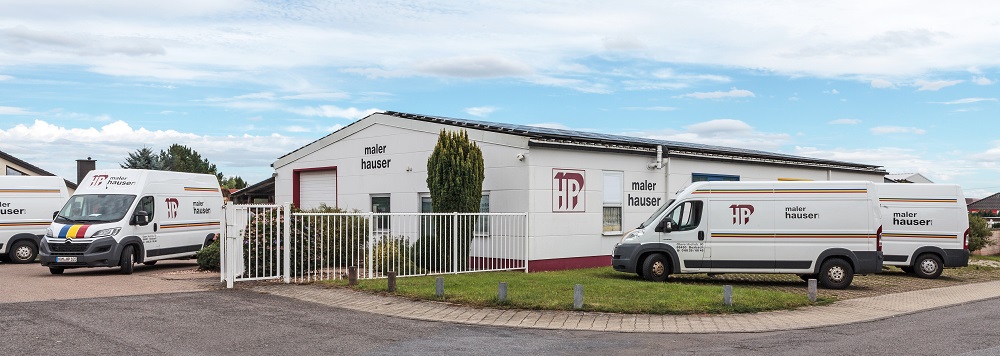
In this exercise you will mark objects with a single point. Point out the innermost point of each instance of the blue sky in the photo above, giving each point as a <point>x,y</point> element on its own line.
<point>911,86</point>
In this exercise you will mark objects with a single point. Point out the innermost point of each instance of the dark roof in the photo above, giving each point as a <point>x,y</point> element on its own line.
<point>592,137</point>
<point>33,168</point>
<point>991,202</point>
<point>571,136</point>
<point>263,187</point>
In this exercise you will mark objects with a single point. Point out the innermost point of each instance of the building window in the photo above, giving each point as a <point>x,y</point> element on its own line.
<point>483,223</point>
<point>380,204</point>
<point>11,171</point>
<point>425,204</point>
<point>613,193</point>
<point>708,177</point>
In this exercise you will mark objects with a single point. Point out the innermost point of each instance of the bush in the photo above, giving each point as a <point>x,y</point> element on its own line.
<point>393,254</point>
<point>208,257</point>
<point>979,233</point>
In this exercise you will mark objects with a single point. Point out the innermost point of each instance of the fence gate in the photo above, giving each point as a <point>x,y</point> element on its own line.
<point>271,242</point>
<point>252,243</point>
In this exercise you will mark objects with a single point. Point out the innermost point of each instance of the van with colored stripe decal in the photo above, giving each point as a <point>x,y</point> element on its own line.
<point>120,217</point>
<point>26,207</point>
<point>926,227</point>
<point>824,230</point>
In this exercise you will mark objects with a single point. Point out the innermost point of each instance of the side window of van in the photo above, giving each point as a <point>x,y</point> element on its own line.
<point>686,216</point>
<point>146,204</point>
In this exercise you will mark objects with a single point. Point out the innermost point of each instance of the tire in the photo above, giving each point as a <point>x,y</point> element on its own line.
<point>22,251</point>
<point>927,266</point>
<point>655,268</point>
<point>127,261</point>
<point>56,270</point>
<point>836,274</point>
<point>149,263</point>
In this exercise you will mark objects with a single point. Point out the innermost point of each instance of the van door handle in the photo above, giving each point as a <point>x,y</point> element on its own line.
<point>701,235</point>
<point>155,227</point>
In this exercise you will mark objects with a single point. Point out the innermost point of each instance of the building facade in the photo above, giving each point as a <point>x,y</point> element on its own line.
<point>581,190</point>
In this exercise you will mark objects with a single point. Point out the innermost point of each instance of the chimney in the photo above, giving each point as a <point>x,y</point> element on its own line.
<point>84,166</point>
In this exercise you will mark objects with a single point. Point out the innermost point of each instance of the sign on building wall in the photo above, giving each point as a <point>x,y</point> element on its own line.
<point>568,194</point>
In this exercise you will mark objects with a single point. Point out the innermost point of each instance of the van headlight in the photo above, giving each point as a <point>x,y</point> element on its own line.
<point>631,235</point>
<point>48,232</point>
<point>106,232</point>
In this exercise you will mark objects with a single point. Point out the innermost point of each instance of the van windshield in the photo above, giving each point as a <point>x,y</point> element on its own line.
<point>652,218</point>
<point>95,208</point>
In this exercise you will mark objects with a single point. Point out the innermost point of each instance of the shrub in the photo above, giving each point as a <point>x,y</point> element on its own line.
<point>208,257</point>
<point>393,254</point>
<point>979,233</point>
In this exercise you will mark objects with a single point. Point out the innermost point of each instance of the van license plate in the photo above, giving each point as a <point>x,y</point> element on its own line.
<point>65,259</point>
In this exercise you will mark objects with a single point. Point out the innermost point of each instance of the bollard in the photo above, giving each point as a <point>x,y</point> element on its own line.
<point>812,290</point>
<point>439,287</point>
<point>578,296</point>
<point>352,275</point>
<point>502,292</point>
<point>392,281</point>
<point>727,295</point>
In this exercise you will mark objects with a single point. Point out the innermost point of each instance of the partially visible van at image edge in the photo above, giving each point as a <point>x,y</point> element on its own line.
<point>824,230</point>
<point>926,227</point>
<point>120,217</point>
<point>26,207</point>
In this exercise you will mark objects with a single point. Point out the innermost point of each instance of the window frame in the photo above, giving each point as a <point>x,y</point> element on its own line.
<point>612,205</point>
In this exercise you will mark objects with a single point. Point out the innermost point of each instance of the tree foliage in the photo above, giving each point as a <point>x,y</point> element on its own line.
<point>145,158</point>
<point>179,158</point>
<point>979,233</point>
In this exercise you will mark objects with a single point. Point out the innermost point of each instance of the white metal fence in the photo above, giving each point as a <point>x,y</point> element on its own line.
<point>267,242</point>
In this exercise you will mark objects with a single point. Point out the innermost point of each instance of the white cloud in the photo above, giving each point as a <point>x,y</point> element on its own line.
<point>245,155</point>
<point>297,128</point>
<point>626,43</point>
<point>11,110</point>
<point>575,84</point>
<point>883,130</point>
<point>882,84</point>
<point>334,111</point>
<point>480,111</point>
<point>982,80</point>
<point>732,93</point>
<point>844,122</point>
<point>5,77</point>
<point>721,132</point>
<point>475,67</point>
<point>964,101</point>
<point>935,85</point>
<point>832,91</point>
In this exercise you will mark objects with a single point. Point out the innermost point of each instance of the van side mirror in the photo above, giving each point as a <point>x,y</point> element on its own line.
<point>665,225</point>
<point>140,218</point>
<point>55,214</point>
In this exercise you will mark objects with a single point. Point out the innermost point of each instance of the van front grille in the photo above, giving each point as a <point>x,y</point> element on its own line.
<point>68,247</point>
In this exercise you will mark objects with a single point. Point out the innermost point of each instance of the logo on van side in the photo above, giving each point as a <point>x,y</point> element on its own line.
<point>98,179</point>
<point>741,213</point>
<point>567,190</point>
<point>172,205</point>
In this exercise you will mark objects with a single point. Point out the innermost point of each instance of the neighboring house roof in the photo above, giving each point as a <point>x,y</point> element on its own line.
<point>37,171</point>
<point>970,200</point>
<point>543,135</point>
<point>907,178</point>
<point>991,202</point>
<point>262,188</point>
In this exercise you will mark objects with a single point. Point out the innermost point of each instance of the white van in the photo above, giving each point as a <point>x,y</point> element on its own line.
<point>926,227</point>
<point>120,217</point>
<point>26,207</point>
<point>824,230</point>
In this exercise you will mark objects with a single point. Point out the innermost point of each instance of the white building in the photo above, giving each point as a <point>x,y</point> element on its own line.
<point>581,190</point>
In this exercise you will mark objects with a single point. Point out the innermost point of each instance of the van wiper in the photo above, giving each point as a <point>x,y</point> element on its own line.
<point>64,217</point>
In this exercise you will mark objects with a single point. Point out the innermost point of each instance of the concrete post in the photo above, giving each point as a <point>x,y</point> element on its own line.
<point>439,287</point>
<point>812,290</point>
<point>727,295</point>
<point>352,275</point>
<point>502,292</point>
<point>392,281</point>
<point>578,296</point>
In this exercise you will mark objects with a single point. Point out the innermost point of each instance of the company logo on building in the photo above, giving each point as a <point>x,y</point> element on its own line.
<point>568,190</point>
<point>741,213</point>
<point>172,205</point>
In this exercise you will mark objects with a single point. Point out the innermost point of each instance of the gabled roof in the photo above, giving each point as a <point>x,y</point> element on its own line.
<point>542,136</point>
<point>991,202</point>
<point>907,178</point>
<point>37,171</point>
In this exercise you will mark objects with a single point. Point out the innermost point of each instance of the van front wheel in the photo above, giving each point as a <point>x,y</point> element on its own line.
<point>927,266</point>
<point>836,274</point>
<point>655,268</point>
<point>128,259</point>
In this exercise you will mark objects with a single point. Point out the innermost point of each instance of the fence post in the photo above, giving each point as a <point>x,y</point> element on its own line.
<point>368,244</point>
<point>812,290</point>
<point>391,281</point>
<point>502,292</point>
<point>286,243</point>
<point>227,265</point>
<point>352,275</point>
<point>727,295</point>
<point>454,242</point>
<point>527,248</point>
<point>439,286</point>
<point>578,296</point>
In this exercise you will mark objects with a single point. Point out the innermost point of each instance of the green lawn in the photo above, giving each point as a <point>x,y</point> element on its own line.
<point>605,290</point>
<point>992,258</point>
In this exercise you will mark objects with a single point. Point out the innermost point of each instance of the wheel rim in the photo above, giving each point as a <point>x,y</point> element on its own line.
<point>658,268</point>
<point>836,274</point>
<point>928,266</point>
<point>23,253</point>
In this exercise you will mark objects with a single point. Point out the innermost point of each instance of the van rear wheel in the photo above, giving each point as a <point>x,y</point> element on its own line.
<point>836,274</point>
<point>128,260</point>
<point>655,268</point>
<point>927,266</point>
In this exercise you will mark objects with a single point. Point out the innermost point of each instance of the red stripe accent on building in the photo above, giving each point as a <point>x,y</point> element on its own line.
<point>559,264</point>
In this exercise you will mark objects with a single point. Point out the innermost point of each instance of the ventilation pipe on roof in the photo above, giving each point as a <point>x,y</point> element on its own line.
<point>659,158</point>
